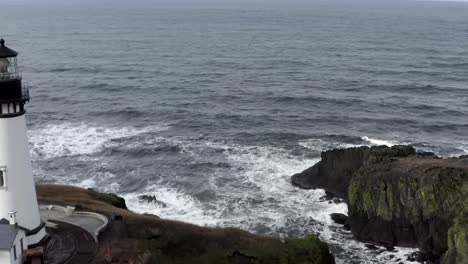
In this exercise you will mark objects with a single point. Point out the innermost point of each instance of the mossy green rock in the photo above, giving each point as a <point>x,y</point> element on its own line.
<point>309,250</point>
<point>457,243</point>
<point>409,201</point>
<point>110,198</point>
<point>334,172</point>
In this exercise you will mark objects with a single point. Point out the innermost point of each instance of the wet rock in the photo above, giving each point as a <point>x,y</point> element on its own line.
<point>390,248</point>
<point>426,154</point>
<point>347,227</point>
<point>333,173</point>
<point>397,197</point>
<point>337,201</point>
<point>371,247</point>
<point>457,243</point>
<point>109,198</point>
<point>338,218</point>
<point>413,256</point>
<point>327,197</point>
<point>151,199</point>
<point>408,202</point>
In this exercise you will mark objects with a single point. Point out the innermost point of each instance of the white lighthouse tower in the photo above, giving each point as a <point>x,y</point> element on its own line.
<point>18,198</point>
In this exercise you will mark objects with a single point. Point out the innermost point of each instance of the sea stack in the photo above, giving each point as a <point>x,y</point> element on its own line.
<point>19,211</point>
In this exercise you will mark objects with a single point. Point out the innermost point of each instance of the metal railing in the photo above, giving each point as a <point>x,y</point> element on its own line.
<point>25,93</point>
<point>6,76</point>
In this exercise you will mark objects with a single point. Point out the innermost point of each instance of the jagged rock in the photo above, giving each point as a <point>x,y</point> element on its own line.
<point>397,197</point>
<point>341,219</point>
<point>327,197</point>
<point>371,247</point>
<point>457,243</point>
<point>109,198</point>
<point>333,173</point>
<point>338,201</point>
<point>415,257</point>
<point>151,199</point>
<point>346,226</point>
<point>408,202</point>
<point>390,248</point>
<point>238,257</point>
<point>426,154</point>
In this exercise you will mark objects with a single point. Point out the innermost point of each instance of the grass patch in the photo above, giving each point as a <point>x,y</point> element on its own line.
<point>149,239</point>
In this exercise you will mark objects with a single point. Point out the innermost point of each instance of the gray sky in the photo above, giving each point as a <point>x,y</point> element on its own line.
<point>202,3</point>
<point>199,1</point>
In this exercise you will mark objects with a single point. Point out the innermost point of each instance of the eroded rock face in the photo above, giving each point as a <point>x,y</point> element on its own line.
<point>341,219</point>
<point>409,201</point>
<point>151,199</point>
<point>333,173</point>
<point>397,197</point>
<point>457,243</point>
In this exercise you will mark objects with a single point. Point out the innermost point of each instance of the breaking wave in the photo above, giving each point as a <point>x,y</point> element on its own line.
<point>68,139</point>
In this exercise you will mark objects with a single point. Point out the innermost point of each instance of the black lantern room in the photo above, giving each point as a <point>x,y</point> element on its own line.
<point>12,95</point>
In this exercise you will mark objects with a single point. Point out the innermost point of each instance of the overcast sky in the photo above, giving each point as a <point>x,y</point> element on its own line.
<point>205,3</point>
<point>196,1</point>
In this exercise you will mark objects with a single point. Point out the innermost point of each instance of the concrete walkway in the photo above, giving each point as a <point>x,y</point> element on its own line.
<point>91,222</point>
<point>69,244</point>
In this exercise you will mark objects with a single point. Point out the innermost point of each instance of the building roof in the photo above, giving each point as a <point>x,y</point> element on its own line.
<point>7,236</point>
<point>6,52</point>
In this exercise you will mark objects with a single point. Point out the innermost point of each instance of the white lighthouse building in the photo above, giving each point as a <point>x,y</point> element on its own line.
<point>18,200</point>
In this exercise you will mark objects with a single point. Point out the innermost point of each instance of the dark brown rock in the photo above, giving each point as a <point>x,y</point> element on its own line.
<point>341,219</point>
<point>409,201</point>
<point>397,197</point>
<point>151,199</point>
<point>337,166</point>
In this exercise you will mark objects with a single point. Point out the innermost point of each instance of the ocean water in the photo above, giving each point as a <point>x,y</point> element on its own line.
<point>212,108</point>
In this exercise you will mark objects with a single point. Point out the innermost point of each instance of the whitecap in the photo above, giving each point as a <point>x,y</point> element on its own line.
<point>179,205</point>
<point>68,139</point>
<point>379,142</point>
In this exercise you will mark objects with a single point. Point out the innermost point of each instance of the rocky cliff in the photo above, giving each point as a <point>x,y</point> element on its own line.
<point>334,171</point>
<point>409,202</point>
<point>398,197</point>
<point>142,239</point>
<point>457,243</point>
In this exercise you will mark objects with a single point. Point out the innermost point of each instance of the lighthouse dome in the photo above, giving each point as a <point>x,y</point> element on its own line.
<point>6,52</point>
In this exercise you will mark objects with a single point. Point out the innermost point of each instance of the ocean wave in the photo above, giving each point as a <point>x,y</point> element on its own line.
<point>68,139</point>
<point>102,179</point>
<point>252,189</point>
<point>179,205</point>
<point>379,142</point>
<point>340,141</point>
<point>317,100</point>
<point>123,113</point>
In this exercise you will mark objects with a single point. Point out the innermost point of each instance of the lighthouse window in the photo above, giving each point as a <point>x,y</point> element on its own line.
<point>2,177</point>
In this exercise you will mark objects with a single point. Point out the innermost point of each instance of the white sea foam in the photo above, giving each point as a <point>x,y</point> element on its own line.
<point>379,142</point>
<point>261,196</point>
<point>104,180</point>
<point>179,206</point>
<point>322,145</point>
<point>261,174</point>
<point>68,139</point>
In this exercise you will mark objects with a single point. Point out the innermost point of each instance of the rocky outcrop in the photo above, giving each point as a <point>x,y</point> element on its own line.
<point>397,197</point>
<point>457,244</point>
<point>341,219</point>
<point>110,198</point>
<point>146,239</point>
<point>334,171</point>
<point>151,199</point>
<point>408,202</point>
